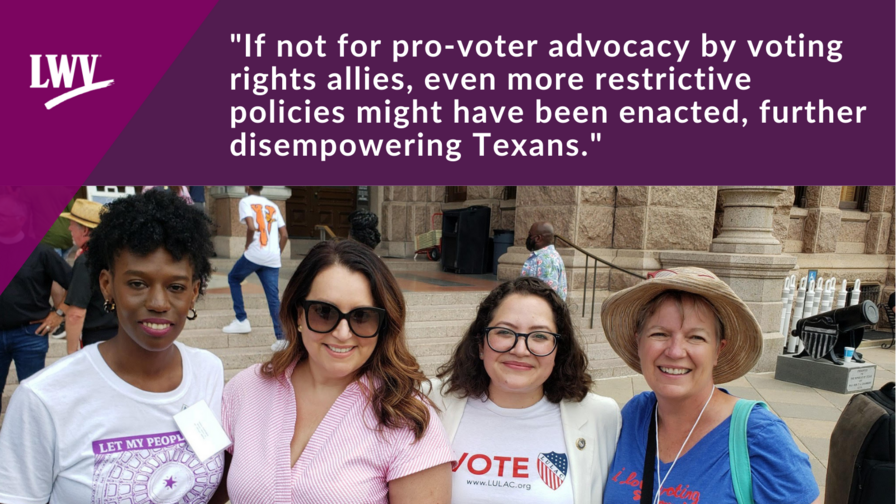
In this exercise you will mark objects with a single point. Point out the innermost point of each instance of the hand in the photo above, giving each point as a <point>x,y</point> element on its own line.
<point>48,324</point>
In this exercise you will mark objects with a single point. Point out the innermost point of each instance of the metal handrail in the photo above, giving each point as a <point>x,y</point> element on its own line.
<point>589,255</point>
<point>324,231</point>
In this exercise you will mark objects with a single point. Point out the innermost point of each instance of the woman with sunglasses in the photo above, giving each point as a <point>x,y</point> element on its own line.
<point>337,416</point>
<point>515,403</point>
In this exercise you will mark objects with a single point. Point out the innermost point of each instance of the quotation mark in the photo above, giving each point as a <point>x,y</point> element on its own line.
<point>234,37</point>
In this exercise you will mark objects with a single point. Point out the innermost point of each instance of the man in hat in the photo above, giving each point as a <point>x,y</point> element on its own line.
<point>545,262</point>
<point>86,320</point>
<point>26,315</point>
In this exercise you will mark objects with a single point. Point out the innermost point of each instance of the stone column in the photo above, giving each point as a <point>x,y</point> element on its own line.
<point>405,213</point>
<point>626,225</point>
<point>877,232</point>
<point>230,235</point>
<point>748,220</point>
<point>747,256</point>
<point>582,214</point>
<point>822,226</point>
<point>890,230</point>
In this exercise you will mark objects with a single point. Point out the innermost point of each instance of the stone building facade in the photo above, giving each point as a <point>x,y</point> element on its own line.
<point>750,236</point>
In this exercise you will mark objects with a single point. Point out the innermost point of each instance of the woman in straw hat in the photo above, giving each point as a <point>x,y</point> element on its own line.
<point>516,405</point>
<point>686,331</point>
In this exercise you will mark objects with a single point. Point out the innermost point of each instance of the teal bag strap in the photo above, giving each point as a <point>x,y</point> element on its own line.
<point>739,455</point>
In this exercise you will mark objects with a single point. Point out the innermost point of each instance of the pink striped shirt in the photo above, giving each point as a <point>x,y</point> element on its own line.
<point>346,459</point>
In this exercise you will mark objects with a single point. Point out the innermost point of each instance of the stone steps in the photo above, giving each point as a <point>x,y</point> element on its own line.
<point>216,319</point>
<point>224,302</point>
<point>223,265</point>
<point>609,368</point>
<point>288,266</point>
<point>432,313</point>
<point>417,299</point>
<point>428,329</point>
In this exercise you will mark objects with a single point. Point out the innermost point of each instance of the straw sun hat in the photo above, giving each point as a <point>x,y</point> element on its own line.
<point>619,315</point>
<point>85,212</point>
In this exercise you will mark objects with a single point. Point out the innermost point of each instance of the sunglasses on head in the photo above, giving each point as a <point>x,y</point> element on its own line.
<point>323,317</point>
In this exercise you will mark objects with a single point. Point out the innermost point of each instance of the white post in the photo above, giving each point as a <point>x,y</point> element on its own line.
<point>856,292</point>
<point>819,291</point>
<point>841,298</point>
<point>787,291</point>
<point>810,300</point>
<point>788,307</point>
<point>799,301</point>
<point>827,295</point>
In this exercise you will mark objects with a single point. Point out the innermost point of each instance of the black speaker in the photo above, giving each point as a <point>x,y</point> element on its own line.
<point>465,240</point>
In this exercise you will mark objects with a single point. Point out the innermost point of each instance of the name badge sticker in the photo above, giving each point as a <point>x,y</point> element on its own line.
<point>202,430</point>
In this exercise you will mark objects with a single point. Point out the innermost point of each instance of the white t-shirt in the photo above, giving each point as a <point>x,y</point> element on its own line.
<point>76,432</point>
<point>265,247</point>
<point>510,455</point>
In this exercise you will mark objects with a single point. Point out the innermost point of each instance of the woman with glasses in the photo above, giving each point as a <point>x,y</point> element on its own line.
<point>337,415</point>
<point>515,403</point>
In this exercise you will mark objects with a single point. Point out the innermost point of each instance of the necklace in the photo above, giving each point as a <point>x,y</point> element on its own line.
<point>657,433</point>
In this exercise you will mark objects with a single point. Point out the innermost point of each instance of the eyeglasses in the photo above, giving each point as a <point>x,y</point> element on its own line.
<point>539,343</point>
<point>323,317</point>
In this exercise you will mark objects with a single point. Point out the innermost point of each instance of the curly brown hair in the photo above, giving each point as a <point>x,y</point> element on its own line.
<point>394,393</point>
<point>464,375</point>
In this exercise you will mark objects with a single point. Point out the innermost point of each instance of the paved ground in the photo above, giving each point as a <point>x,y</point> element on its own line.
<point>809,413</point>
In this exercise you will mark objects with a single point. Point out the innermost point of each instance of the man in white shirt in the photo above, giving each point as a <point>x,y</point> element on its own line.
<point>264,222</point>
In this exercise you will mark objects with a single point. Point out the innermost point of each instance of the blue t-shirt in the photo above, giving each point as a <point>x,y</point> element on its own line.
<point>781,472</point>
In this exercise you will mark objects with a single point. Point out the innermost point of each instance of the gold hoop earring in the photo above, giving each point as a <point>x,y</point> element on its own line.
<point>193,316</point>
<point>109,306</point>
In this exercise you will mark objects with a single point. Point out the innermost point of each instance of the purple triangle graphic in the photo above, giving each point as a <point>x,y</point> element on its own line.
<point>135,44</point>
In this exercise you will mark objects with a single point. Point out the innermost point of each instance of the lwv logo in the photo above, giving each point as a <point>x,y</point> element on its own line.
<point>62,73</point>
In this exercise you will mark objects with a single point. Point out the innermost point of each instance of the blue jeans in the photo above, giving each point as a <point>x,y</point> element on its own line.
<point>23,346</point>
<point>269,281</point>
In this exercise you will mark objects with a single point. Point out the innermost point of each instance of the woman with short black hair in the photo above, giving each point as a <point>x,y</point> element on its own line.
<point>97,426</point>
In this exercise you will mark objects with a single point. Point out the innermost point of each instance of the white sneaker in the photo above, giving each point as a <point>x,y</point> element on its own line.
<point>59,333</point>
<point>237,327</point>
<point>279,345</point>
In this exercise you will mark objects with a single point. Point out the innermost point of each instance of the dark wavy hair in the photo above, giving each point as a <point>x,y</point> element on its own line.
<point>144,223</point>
<point>465,376</point>
<point>395,398</point>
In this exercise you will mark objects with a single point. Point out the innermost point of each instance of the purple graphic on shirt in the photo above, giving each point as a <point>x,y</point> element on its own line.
<point>153,469</point>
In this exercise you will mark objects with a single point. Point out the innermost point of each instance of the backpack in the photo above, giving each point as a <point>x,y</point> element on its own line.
<point>860,462</point>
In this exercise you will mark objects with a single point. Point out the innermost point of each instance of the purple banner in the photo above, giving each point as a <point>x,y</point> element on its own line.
<point>607,93</point>
<point>147,442</point>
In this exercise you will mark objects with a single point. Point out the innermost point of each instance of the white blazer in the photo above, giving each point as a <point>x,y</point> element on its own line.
<point>590,430</point>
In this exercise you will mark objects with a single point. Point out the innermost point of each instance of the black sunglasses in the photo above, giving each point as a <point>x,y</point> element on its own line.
<point>323,317</point>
